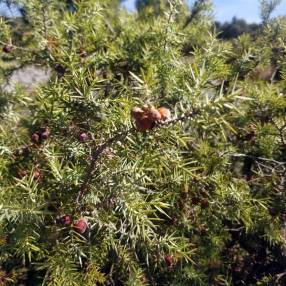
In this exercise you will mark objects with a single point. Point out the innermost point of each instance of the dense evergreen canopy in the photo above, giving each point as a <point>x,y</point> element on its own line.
<point>154,155</point>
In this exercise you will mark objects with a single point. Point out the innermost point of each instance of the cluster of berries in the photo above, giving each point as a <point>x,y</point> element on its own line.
<point>36,138</point>
<point>25,152</point>
<point>81,225</point>
<point>146,116</point>
<point>41,135</point>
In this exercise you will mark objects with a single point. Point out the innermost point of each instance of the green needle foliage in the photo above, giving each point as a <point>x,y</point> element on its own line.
<point>87,198</point>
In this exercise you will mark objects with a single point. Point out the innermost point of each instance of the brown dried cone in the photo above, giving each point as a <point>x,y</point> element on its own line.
<point>154,114</point>
<point>144,123</point>
<point>145,117</point>
<point>137,113</point>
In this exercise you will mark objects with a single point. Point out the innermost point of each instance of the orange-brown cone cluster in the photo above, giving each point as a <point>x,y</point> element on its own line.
<point>146,116</point>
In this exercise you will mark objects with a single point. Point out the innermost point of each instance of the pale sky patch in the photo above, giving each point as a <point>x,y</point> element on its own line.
<point>225,10</point>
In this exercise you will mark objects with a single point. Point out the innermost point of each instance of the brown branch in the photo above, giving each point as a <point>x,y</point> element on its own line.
<point>93,164</point>
<point>101,148</point>
<point>237,155</point>
<point>19,48</point>
<point>182,118</point>
<point>44,18</point>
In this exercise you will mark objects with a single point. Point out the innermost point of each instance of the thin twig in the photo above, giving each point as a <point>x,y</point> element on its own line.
<point>44,17</point>
<point>119,136</point>
<point>93,164</point>
<point>255,158</point>
<point>280,276</point>
<point>18,48</point>
<point>280,130</point>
